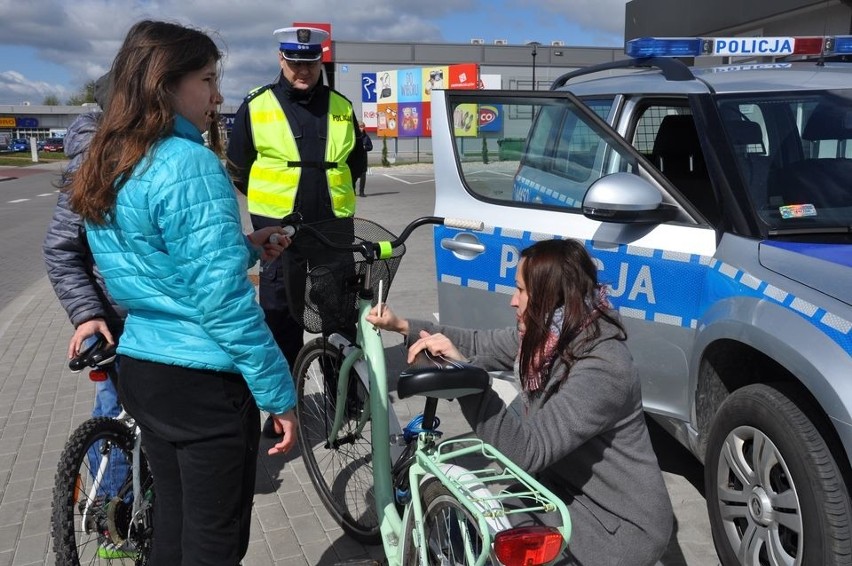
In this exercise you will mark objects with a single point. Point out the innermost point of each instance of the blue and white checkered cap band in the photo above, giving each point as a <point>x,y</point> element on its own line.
<point>301,43</point>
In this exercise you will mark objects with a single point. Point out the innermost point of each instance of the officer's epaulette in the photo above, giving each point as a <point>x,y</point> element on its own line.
<point>256,92</point>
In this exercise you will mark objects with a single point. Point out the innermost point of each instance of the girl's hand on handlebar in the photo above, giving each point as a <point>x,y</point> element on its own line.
<point>88,328</point>
<point>388,320</point>
<point>435,344</point>
<point>272,241</point>
<point>286,425</point>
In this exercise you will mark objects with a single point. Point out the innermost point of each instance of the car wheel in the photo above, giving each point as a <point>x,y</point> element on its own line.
<point>775,494</point>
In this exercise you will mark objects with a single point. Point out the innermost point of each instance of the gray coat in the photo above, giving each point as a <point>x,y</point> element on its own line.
<point>587,442</point>
<point>70,266</point>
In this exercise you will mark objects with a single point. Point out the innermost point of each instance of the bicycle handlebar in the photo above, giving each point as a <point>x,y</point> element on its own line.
<point>293,223</point>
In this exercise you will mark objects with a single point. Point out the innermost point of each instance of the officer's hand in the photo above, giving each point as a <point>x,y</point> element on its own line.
<point>271,240</point>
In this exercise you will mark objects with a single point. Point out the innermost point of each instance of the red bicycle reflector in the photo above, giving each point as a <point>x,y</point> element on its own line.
<point>527,546</point>
<point>98,375</point>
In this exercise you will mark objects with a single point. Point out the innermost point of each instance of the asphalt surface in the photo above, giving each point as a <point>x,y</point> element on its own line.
<point>41,401</point>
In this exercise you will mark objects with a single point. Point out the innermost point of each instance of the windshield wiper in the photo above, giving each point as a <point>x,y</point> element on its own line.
<point>810,230</point>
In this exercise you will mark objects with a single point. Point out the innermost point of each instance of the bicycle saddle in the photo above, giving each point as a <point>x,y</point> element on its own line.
<point>98,352</point>
<point>440,377</point>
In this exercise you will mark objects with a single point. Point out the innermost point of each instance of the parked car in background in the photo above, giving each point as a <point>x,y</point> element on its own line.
<point>716,202</point>
<point>19,144</point>
<point>54,145</point>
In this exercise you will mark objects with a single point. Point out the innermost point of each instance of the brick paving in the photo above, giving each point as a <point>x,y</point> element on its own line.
<point>41,402</point>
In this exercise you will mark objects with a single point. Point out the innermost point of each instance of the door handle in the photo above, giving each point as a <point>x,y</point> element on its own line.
<point>464,245</point>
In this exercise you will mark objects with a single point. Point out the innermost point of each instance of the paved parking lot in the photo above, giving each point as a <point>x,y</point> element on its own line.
<point>41,402</point>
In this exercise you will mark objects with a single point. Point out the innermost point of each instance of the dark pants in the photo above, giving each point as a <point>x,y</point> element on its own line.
<point>362,180</point>
<point>200,434</point>
<point>283,283</point>
<point>279,280</point>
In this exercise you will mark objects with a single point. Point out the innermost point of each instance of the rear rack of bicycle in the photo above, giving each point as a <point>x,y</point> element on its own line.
<point>498,489</point>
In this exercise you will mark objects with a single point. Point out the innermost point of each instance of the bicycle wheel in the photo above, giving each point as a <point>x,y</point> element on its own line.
<point>342,472</point>
<point>92,516</point>
<point>448,527</point>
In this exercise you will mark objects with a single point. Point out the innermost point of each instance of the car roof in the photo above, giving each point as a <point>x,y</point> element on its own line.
<point>725,79</point>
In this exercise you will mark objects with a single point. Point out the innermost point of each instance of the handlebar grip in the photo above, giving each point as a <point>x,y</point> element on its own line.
<point>288,232</point>
<point>464,224</point>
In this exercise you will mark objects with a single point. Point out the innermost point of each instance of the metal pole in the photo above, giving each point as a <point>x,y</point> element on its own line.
<point>533,66</point>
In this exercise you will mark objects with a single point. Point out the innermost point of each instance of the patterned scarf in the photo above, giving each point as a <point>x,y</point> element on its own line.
<point>544,358</point>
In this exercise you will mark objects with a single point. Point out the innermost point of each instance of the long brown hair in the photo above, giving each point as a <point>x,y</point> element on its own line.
<point>560,273</point>
<point>145,74</point>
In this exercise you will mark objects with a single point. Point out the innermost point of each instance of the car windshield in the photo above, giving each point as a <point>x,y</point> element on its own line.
<point>794,152</point>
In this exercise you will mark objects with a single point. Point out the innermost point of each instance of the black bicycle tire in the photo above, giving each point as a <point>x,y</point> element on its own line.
<point>333,488</point>
<point>63,514</point>
<point>435,497</point>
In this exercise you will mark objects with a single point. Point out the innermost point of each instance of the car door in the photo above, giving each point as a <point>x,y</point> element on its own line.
<point>654,270</point>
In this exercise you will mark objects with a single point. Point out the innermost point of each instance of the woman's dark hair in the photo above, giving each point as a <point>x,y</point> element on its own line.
<point>560,273</point>
<point>144,78</point>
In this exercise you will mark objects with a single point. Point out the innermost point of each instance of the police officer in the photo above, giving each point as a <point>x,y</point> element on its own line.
<point>295,147</point>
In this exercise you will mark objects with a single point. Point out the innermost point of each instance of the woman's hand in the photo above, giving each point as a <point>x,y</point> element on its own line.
<point>286,425</point>
<point>435,344</point>
<point>271,240</point>
<point>388,320</point>
<point>88,328</point>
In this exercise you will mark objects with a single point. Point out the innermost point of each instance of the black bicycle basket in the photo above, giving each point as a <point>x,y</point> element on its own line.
<point>334,277</point>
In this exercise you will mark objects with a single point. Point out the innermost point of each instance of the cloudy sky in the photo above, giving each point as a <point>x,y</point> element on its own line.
<point>53,47</point>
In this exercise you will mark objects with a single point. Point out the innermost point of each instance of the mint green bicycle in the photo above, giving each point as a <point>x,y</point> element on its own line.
<point>382,482</point>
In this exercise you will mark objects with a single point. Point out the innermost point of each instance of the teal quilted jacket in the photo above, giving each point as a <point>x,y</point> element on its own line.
<point>174,255</point>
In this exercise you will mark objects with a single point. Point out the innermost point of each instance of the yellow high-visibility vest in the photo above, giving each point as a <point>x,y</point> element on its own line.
<point>274,176</point>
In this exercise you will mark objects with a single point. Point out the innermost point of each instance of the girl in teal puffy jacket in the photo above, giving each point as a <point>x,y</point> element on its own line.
<point>197,359</point>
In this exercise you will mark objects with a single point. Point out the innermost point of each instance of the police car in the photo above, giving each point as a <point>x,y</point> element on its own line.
<point>717,203</point>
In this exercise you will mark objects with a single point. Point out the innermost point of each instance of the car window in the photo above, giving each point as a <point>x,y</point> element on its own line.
<point>794,152</point>
<point>666,134</point>
<point>548,152</point>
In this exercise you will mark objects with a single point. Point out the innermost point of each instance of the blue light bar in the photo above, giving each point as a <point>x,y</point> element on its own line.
<point>738,46</point>
<point>664,47</point>
<point>839,45</point>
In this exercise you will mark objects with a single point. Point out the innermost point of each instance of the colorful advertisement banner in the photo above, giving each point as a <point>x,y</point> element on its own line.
<point>368,87</point>
<point>370,116</point>
<point>410,119</point>
<point>433,79</point>
<point>466,120</point>
<point>491,118</point>
<point>386,87</point>
<point>464,76</point>
<point>388,124</point>
<point>398,101</point>
<point>426,119</point>
<point>409,85</point>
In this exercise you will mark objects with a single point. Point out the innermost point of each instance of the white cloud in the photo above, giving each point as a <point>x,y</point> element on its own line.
<point>83,36</point>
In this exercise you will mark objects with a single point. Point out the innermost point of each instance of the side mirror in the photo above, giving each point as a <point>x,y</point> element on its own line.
<point>627,199</point>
